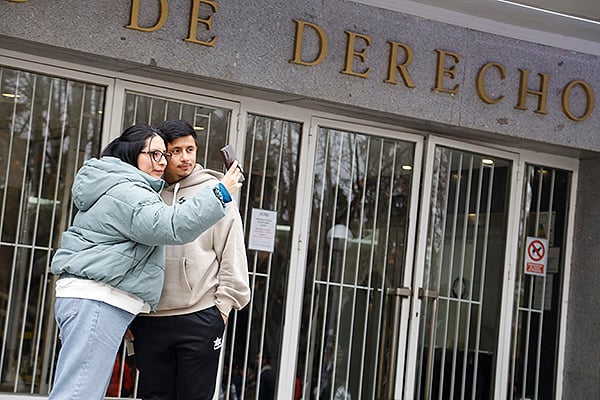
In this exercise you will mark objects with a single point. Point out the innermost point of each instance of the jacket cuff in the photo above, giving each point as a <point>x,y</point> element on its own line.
<point>224,193</point>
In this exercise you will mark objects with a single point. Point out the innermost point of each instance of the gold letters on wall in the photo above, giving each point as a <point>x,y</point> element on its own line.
<point>352,53</point>
<point>481,92</point>
<point>299,43</point>
<point>194,20</point>
<point>409,56</point>
<point>589,94</point>
<point>442,71</point>
<point>357,46</point>
<point>163,13</point>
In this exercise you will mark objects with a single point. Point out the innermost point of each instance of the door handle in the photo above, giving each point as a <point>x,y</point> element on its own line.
<point>429,294</point>
<point>398,294</point>
<point>433,296</point>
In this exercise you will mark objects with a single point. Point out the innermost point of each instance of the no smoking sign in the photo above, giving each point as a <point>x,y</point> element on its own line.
<point>536,256</point>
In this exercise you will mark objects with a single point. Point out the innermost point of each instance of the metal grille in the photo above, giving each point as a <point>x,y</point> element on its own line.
<point>464,265</point>
<point>271,157</point>
<point>537,297</point>
<point>211,124</point>
<point>49,127</point>
<point>357,247</point>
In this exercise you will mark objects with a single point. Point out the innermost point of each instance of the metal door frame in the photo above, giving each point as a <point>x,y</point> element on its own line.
<point>510,255</point>
<point>567,164</point>
<point>299,256</point>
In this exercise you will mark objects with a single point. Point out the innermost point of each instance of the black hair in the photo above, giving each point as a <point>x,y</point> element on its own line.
<point>266,356</point>
<point>131,142</point>
<point>172,129</point>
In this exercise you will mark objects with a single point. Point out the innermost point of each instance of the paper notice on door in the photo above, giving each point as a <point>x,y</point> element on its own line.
<point>263,225</point>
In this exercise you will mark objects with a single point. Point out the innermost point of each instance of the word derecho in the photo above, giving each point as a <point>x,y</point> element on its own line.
<point>577,91</point>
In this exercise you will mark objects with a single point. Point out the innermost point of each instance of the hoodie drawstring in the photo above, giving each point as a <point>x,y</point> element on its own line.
<point>175,190</point>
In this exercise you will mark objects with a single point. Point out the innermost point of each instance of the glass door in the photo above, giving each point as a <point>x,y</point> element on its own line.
<point>49,126</point>
<point>255,335</point>
<point>534,370</point>
<point>358,267</point>
<point>461,270</point>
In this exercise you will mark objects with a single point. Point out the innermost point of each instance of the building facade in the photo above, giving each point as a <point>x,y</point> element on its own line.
<point>427,192</point>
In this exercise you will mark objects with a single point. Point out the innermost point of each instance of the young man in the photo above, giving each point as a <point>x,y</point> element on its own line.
<point>177,348</point>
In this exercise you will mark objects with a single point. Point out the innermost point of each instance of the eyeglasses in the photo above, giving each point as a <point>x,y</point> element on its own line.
<point>157,155</point>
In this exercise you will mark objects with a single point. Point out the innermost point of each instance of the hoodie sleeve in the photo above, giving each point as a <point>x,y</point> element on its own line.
<point>233,290</point>
<point>152,222</point>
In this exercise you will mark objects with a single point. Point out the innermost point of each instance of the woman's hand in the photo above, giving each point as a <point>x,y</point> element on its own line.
<point>232,178</point>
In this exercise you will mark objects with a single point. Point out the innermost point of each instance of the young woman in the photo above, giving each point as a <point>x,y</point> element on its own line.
<point>111,261</point>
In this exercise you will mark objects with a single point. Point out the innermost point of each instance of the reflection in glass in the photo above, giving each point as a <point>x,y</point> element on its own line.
<point>48,127</point>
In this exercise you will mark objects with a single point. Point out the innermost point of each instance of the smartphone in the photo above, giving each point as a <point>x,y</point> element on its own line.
<point>229,157</point>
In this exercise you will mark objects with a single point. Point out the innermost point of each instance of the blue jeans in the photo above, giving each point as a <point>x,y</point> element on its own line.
<point>91,332</point>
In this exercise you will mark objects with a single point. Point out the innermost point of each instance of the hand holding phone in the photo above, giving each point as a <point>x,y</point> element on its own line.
<point>229,157</point>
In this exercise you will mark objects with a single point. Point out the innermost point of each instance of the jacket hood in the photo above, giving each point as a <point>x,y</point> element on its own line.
<point>98,176</point>
<point>199,176</point>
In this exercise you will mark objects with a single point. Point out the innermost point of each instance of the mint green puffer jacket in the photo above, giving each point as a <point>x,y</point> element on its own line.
<point>118,234</point>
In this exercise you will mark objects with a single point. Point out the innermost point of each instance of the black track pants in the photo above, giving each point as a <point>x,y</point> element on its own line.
<point>178,356</point>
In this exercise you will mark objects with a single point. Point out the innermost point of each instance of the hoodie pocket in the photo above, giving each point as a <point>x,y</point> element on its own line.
<point>177,291</point>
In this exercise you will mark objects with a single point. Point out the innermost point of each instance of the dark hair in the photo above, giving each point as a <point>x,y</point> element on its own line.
<point>131,142</point>
<point>172,129</point>
<point>266,356</point>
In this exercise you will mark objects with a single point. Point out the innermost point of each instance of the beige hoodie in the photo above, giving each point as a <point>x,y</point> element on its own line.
<point>213,269</point>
